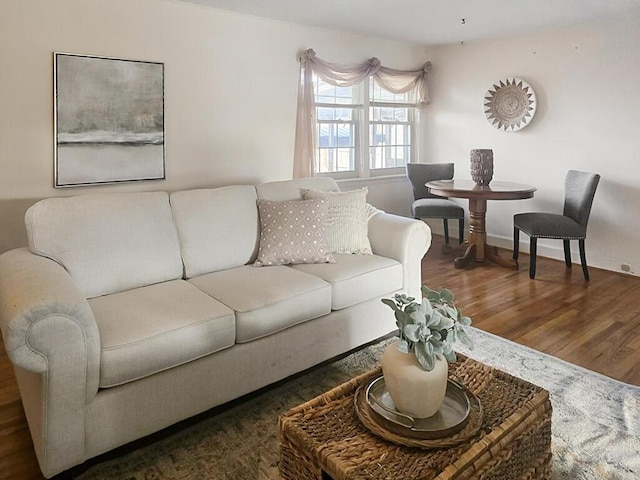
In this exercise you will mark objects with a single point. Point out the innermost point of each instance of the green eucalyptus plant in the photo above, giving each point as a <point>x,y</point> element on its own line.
<point>429,329</point>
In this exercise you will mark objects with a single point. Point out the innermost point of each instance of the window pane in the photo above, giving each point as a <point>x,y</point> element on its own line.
<point>334,134</point>
<point>323,113</point>
<point>332,160</point>
<point>336,147</point>
<point>329,113</point>
<point>346,159</point>
<point>390,145</point>
<point>389,114</point>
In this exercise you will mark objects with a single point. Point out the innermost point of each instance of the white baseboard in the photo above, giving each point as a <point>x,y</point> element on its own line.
<point>593,260</point>
<point>549,251</point>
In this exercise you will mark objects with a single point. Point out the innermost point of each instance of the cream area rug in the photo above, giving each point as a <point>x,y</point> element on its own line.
<point>596,422</point>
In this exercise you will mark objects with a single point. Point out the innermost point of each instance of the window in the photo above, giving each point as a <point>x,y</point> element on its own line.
<point>363,130</point>
<point>338,124</point>
<point>391,123</point>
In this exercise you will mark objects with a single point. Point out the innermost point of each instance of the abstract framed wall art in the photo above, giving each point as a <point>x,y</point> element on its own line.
<point>108,120</point>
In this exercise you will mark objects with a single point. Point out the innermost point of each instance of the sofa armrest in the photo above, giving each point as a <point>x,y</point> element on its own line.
<point>405,240</point>
<point>51,337</point>
<point>43,313</point>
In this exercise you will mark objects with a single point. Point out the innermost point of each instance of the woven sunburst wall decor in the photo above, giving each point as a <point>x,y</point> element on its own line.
<point>510,104</point>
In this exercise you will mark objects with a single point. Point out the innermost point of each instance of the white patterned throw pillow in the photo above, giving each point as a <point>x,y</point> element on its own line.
<point>347,220</point>
<point>293,232</point>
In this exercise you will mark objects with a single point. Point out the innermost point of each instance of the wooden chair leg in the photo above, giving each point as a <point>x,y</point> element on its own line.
<point>446,230</point>
<point>567,253</point>
<point>461,230</point>
<point>516,243</point>
<point>583,259</point>
<point>533,243</point>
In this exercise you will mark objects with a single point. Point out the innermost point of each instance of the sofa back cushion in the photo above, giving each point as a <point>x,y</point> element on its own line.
<point>218,228</point>
<point>108,242</point>
<point>294,189</point>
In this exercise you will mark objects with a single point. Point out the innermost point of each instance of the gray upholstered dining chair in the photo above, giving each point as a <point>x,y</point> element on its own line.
<point>580,188</point>
<point>427,205</point>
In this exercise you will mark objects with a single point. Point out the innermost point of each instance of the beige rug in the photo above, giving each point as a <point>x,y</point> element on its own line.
<point>596,423</point>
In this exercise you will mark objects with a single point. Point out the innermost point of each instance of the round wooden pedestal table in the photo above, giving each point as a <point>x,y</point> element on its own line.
<point>476,247</point>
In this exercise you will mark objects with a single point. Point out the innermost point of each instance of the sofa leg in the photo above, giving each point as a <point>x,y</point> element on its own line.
<point>533,243</point>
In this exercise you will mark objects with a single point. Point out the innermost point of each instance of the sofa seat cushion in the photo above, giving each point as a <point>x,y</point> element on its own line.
<point>267,299</point>
<point>357,278</point>
<point>153,328</point>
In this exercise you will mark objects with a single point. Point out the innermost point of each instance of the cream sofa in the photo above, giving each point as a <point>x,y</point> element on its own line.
<point>131,312</point>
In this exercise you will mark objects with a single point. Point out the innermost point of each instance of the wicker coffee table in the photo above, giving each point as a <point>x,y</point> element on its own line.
<point>324,439</point>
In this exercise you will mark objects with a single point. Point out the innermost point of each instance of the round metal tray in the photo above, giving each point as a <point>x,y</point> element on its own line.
<point>459,417</point>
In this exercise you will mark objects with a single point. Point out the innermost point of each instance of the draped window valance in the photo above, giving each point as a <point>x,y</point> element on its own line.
<point>395,81</point>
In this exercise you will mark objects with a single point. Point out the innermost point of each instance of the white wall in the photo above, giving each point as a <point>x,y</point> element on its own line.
<point>230,107</point>
<point>230,89</point>
<point>586,82</point>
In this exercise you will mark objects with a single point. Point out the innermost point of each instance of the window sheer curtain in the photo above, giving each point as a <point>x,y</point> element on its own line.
<point>396,81</point>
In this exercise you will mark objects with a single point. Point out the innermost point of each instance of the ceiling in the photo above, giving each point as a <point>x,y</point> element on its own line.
<point>432,22</point>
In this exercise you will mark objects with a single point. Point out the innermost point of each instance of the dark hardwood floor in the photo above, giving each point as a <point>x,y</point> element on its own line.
<point>594,324</point>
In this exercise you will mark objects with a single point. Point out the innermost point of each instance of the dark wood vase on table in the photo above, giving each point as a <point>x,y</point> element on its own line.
<point>482,166</point>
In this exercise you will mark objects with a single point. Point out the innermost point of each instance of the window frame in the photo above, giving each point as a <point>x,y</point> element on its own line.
<point>362,120</point>
<point>357,148</point>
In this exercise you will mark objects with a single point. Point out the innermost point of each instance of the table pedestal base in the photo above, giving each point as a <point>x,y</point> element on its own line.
<point>476,248</point>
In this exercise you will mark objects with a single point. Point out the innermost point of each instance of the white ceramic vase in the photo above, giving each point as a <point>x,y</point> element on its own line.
<point>414,391</point>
